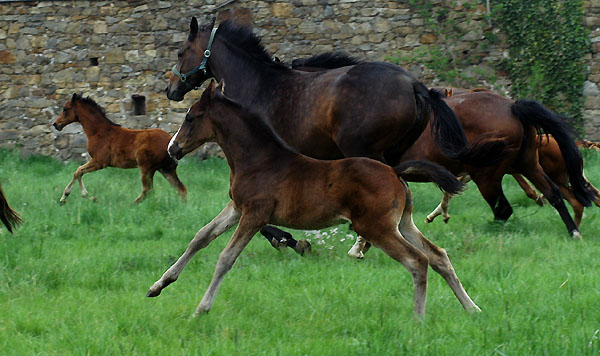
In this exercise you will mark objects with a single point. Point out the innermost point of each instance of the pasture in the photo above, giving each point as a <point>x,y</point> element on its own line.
<point>73,278</point>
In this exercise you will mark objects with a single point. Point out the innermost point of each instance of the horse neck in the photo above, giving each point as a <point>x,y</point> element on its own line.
<point>246,80</point>
<point>245,144</point>
<point>92,121</point>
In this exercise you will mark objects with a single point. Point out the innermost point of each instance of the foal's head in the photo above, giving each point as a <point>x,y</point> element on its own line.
<point>197,128</point>
<point>69,113</point>
<point>189,72</point>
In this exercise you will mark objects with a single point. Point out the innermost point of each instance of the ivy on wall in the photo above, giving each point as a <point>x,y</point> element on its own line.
<point>547,44</point>
<point>546,40</point>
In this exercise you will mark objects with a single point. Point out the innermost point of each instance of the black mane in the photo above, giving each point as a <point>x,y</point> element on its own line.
<point>327,60</point>
<point>244,39</point>
<point>94,105</point>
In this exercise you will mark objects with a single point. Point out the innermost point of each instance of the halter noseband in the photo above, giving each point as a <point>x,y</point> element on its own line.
<point>202,66</point>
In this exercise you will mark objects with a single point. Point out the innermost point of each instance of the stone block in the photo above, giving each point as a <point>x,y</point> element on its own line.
<point>114,56</point>
<point>6,57</point>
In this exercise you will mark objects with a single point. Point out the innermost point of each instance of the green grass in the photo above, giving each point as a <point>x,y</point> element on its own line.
<point>73,278</point>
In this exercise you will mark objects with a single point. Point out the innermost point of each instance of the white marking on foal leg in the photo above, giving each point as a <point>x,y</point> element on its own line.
<point>67,191</point>
<point>358,247</point>
<point>227,218</point>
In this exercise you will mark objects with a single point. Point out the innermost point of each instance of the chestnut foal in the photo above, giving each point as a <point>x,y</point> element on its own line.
<point>302,193</point>
<point>111,145</point>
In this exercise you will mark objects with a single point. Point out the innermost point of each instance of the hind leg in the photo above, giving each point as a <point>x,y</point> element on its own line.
<point>415,261</point>
<point>173,179</point>
<point>444,206</point>
<point>529,191</point>
<point>88,167</point>
<point>552,193</point>
<point>147,183</point>
<point>438,258</point>
<point>490,187</point>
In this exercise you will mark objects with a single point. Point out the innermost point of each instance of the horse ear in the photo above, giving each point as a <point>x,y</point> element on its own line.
<point>212,87</point>
<point>74,97</point>
<point>221,86</point>
<point>193,27</point>
<point>449,92</point>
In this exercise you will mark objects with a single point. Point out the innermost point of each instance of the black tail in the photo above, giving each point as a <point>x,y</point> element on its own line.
<point>9,217</point>
<point>532,113</point>
<point>450,137</point>
<point>436,174</point>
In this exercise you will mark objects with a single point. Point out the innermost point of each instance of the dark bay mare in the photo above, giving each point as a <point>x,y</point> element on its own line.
<point>367,109</point>
<point>9,217</point>
<point>272,183</point>
<point>111,145</point>
<point>358,109</point>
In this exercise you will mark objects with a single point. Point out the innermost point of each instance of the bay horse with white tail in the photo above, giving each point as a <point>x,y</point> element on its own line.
<point>9,217</point>
<point>111,145</point>
<point>272,183</point>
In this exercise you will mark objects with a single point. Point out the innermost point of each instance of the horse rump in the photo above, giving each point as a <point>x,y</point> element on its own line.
<point>450,137</point>
<point>532,113</point>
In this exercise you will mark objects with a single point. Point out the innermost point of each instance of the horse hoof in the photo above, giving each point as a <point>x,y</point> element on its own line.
<point>62,202</point>
<point>302,247</point>
<point>576,235</point>
<point>358,255</point>
<point>540,201</point>
<point>446,220</point>
<point>279,245</point>
<point>152,293</point>
<point>428,220</point>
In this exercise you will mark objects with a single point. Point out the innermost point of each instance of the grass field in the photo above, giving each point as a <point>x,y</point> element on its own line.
<point>73,278</point>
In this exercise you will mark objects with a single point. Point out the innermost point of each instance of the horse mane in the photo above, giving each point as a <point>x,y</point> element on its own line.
<point>244,38</point>
<point>327,60</point>
<point>94,105</point>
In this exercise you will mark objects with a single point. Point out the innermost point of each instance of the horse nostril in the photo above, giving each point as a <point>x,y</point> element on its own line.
<point>175,151</point>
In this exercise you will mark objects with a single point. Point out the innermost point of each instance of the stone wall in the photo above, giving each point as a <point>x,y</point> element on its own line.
<point>114,50</point>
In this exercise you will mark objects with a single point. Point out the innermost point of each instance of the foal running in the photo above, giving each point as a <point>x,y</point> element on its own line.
<point>111,145</point>
<point>303,193</point>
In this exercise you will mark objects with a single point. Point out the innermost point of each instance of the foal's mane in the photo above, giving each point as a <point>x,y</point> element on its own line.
<point>327,60</point>
<point>244,39</point>
<point>95,106</point>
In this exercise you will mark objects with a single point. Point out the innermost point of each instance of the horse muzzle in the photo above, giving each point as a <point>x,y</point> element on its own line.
<point>175,151</point>
<point>175,95</point>
<point>57,126</point>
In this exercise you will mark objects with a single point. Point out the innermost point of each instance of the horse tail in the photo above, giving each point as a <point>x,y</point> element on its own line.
<point>9,217</point>
<point>532,113</point>
<point>449,135</point>
<point>436,174</point>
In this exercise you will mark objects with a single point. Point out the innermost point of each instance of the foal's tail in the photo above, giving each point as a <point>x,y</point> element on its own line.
<point>436,173</point>
<point>532,113</point>
<point>9,217</point>
<point>449,135</point>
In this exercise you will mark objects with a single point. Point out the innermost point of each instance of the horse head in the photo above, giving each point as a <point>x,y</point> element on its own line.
<point>192,69</point>
<point>69,114</point>
<point>197,128</point>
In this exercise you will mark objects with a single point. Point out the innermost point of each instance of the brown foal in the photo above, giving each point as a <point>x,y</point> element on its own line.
<point>302,193</point>
<point>111,145</point>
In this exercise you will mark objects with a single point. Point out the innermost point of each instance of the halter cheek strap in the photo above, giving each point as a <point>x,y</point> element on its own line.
<point>202,66</point>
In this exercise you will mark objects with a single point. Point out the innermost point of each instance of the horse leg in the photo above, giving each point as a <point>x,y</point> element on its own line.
<point>147,183</point>
<point>228,217</point>
<point>90,166</point>
<point>552,193</point>
<point>356,250</point>
<point>443,207</point>
<point>531,193</point>
<point>415,261</point>
<point>490,187</point>
<point>173,179</point>
<point>246,229</point>
<point>438,258</point>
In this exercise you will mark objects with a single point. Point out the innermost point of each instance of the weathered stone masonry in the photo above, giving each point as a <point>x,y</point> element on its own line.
<point>115,50</point>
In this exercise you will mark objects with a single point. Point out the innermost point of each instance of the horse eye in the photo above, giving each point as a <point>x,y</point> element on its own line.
<point>189,118</point>
<point>179,55</point>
